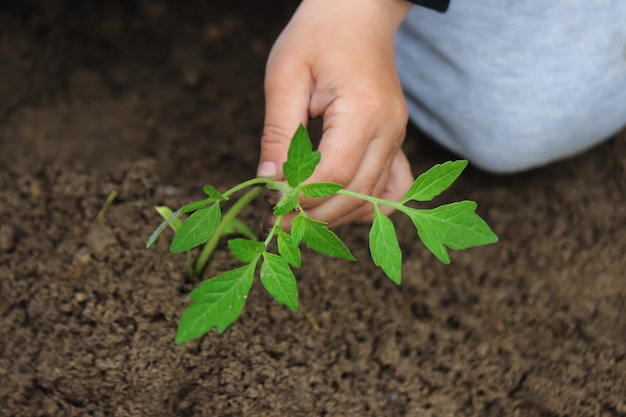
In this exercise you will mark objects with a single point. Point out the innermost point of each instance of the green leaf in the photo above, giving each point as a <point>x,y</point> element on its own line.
<point>384,246</point>
<point>454,225</point>
<point>434,181</point>
<point>217,302</point>
<point>196,205</point>
<point>213,194</point>
<point>301,159</point>
<point>172,217</point>
<point>320,189</point>
<point>239,227</point>
<point>197,229</point>
<point>298,227</point>
<point>288,250</point>
<point>287,202</point>
<point>246,250</point>
<point>278,280</point>
<point>318,237</point>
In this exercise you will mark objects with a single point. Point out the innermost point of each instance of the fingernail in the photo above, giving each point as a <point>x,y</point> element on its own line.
<point>266,170</point>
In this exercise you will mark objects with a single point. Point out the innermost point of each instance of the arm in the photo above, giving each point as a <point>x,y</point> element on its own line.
<point>335,60</point>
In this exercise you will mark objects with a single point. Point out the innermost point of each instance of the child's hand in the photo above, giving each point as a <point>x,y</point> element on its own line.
<point>335,59</point>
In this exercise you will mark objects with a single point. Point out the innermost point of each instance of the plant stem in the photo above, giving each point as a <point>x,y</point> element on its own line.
<point>256,181</point>
<point>230,215</point>
<point>272,232</point>
<point>375,200</point>
<point>106,206</point>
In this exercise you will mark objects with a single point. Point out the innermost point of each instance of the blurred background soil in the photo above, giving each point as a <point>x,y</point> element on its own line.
<point>154,99</point>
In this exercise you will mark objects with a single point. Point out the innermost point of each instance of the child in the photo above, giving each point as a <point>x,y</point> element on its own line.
<point>507,84</point>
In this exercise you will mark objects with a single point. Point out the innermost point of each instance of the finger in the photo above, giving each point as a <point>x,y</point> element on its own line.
<point>287,93</point>
<point>366,209</point>
<point>346,138</point>
<point>399,181</point>
<point>392,186</point>
<point>339,164</point>
<point>396,172</point>
<point>341,209</point>
<point>352,121</point>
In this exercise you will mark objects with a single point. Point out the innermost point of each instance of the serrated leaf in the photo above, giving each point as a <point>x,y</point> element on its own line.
<point>279,281</point>
<point>288,250</point>
<point>384,246</point>
<point>287,203</point>
<point>213,194</point>
<point>210,289</point>
<point>431,239</point>
<point>246,250</point>
<point>434,181</point>
<point>301,159</point>
<point>319,238</point>
<point>298,227</point>
<point>320,189</point>
<point>454,225</point>
<point>239,227</point>
<point>217,302</point>
<point>155,235</point>
<point>197,229</point>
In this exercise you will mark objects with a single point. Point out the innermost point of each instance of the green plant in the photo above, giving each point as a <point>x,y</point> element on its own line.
<point>218,301</point>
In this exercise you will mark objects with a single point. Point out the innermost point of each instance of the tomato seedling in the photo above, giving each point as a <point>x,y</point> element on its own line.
<point>218,301</point>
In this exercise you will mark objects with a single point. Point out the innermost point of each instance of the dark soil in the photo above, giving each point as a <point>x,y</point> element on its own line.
<point>154,100</point>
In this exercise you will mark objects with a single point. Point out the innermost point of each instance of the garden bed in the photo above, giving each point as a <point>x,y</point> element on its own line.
<point>153,101</point>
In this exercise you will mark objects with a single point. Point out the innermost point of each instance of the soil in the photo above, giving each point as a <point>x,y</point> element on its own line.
<point>153,100</point>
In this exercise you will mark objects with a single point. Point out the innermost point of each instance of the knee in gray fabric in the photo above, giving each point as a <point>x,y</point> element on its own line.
<point>527,142</point>
<point>503,155</point>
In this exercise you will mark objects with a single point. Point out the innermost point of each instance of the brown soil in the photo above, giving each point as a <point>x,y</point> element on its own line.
<point>155,100</point>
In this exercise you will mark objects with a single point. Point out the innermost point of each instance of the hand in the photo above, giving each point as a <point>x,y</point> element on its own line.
<point>335,59</point>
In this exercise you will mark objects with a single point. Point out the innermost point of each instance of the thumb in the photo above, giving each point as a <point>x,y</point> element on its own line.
<point>287,96</point>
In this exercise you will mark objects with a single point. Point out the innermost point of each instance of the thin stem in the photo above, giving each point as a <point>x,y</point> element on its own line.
<point>269,237</point>
<point>230,215</point>
<point>106,206</point>
<point>256,181</point>
<point>375,200</point>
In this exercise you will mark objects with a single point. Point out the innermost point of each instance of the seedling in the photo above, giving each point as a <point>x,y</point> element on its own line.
<point>218,301</point>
